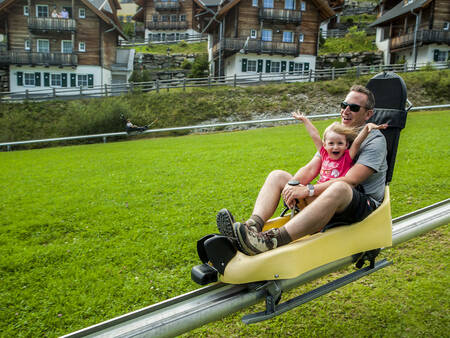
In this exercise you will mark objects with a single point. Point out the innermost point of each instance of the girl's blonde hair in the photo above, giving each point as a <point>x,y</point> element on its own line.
<point>349,133</point>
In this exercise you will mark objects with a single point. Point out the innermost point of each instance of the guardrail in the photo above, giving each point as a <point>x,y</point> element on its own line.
<point>256,79</point>
<point>8,145</point>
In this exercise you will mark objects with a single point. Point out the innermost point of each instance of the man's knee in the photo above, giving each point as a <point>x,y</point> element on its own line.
<point>339,190</point>
<point>279,176</point>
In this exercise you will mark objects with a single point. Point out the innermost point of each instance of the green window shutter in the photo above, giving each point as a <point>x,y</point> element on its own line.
<point>267,66</point>
<point>291,66</point>
<point>19,78</point>
<point>37,79</point>
<point>73,80</point>
<point>244,65</point>
<point>260,66</point>
<point>436,55</point>
<point>306,66</point>
<point>283,66</point>
<point>46,79</point>
<point>64,80</point>
<point>90,80</point>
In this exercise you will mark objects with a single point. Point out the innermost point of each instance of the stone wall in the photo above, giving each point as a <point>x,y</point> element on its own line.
<point>4,80</point>
<point>163,67</point>
<point>343,60</point>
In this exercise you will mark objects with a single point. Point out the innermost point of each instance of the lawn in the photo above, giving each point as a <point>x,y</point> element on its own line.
<point>92,232</point>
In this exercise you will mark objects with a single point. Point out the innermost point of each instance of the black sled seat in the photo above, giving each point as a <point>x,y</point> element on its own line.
<point>221,261</point>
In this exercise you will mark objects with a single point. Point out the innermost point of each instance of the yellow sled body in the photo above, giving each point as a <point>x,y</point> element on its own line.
<point>312,251</point>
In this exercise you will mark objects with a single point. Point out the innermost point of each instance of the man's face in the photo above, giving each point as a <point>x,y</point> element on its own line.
<point>351,118</point>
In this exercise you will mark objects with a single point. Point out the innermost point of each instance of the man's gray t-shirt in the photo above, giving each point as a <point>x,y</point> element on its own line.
<point>372,154</point>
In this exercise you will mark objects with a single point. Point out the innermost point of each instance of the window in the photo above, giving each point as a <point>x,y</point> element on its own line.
<point>440,55</point>
<point>82,80</point>
<point>43,46</point>
<point>81,46</point>
<point>55,80</point>
<point>267,35</point>
<point>29,79</point>
<point>255,3</point>
<point>268,3</point>
<point>26,10</point>
<point>128,18</point>
<point>253,33</point>
<point>66,46</point>
<point>164,18</point>
<point>155,18</point>
<point>301,37</point>
<point>298,67</point>
<point>251,65</point>
<point>27,44</point>
<point>183,17</point>
<point>303,6</point>
<point>275,67</point>
<point>42,11</point>
<point>173,18</point>
<point>82,13</point>
<point>289,4</point>
<point>288,36</point>
<point>446,26</point>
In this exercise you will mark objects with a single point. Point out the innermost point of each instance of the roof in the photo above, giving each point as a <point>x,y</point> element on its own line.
<point>398,10</point>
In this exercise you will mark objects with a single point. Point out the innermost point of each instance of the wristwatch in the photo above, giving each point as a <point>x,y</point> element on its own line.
<point>310,189</point>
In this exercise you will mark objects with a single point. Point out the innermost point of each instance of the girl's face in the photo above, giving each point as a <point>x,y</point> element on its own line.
<point>335,145</point>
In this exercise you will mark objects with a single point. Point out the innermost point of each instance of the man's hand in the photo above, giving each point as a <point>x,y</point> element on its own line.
<point>291,193</point>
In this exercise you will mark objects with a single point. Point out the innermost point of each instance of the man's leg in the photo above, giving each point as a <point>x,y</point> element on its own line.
<point>310,220</point>
<point>265,205</point>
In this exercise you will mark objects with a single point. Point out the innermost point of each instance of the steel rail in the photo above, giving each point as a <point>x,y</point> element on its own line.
<point>194,309</point>
<point>200,126</point>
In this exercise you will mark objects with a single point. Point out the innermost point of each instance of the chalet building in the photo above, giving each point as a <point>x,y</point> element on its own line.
<point>127,11</point>
<point>166,20</point>
<point>61,44</point>
<point>250,37</point>
<point>414,31</point>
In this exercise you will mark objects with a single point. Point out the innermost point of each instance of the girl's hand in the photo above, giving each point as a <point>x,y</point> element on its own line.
<point>299,116</point>
<point>371,126</point>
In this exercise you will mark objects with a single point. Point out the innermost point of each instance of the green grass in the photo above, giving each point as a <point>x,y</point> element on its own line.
<point>92,232</point>
<point>175,48</point>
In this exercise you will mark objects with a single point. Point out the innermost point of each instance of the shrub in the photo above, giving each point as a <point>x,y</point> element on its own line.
<point>186,64</point>
<point>199,67</point>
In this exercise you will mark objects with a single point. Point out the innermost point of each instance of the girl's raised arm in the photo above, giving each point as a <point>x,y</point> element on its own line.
<point>362,136</point>
<point>312,131</point>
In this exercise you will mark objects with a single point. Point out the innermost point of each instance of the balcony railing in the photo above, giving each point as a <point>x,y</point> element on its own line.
<point>32,58</point>
<point>167,5</point>
<point>258,46</point>
<point>167,25</point>
<point>280,15</point>
<point>423,36</point>
<point>52,24</point>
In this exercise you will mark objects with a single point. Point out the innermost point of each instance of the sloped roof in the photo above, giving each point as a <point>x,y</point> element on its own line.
<point>398,10</point>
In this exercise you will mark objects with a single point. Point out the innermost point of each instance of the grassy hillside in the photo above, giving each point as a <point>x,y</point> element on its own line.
<point>31,120</point>
<point>91,232</point>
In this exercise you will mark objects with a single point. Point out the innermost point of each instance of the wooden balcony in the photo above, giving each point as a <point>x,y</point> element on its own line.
<point>167,5</point>
<point>233,45</point>
<point>166,25</point>
<point>38,59</point>
<point>51,25</point>
<point>423,37</point>
<point>280,15</point>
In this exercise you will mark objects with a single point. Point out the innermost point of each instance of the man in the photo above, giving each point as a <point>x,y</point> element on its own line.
<point>347,199</point>
<point>132,127</point>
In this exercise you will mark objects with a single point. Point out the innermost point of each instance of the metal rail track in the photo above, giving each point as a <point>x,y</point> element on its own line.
<point>194,309</point>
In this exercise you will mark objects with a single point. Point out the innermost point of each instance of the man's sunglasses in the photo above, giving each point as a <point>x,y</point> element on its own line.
<point>353,106</point>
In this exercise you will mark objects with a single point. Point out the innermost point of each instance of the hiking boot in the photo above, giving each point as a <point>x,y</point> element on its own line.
<point>225,221</point>
<point>252,242</point>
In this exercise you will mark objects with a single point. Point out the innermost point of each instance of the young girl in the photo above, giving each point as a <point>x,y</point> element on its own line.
<point>337,157</point>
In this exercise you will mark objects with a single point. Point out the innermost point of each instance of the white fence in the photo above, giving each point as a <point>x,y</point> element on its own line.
<point>256,79</point>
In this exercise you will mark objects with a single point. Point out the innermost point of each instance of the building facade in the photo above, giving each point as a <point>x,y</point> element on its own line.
<point>166,20</point>
<point>250,37</point>
<point>59,44</point>
<point>414,31</point>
